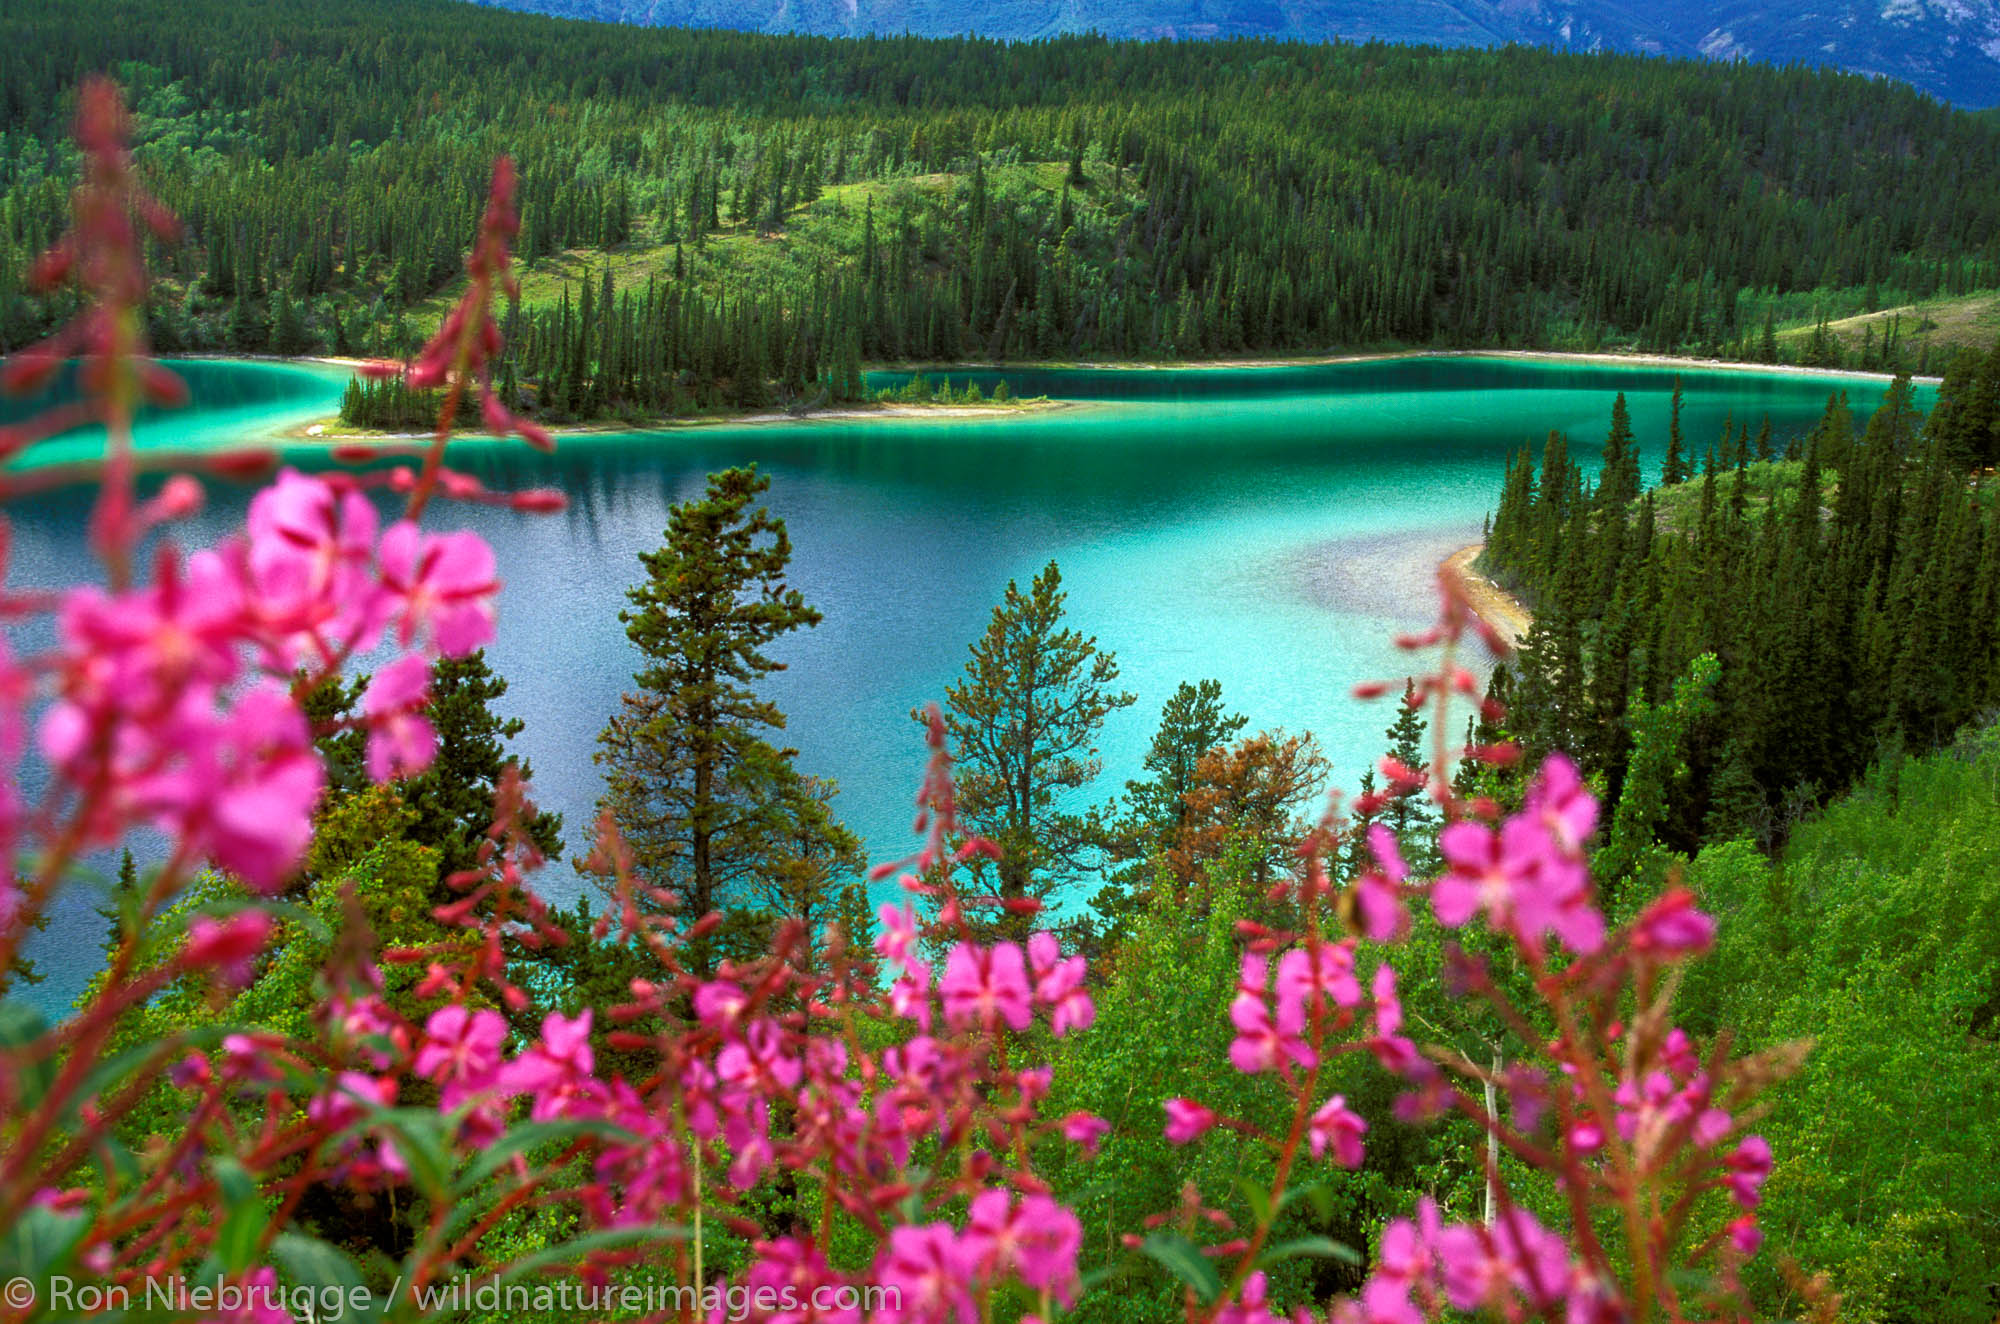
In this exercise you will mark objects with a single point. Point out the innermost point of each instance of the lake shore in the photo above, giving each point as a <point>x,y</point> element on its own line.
<point>1502,611</point>
<point>330,431</point>
<point>1602,358</point>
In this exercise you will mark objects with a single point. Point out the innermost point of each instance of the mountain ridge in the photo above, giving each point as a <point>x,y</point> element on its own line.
<point>1949,48</point>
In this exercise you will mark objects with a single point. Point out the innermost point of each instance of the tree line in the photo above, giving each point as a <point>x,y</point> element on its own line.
<point>1740,642</point>
<point>779,211</point>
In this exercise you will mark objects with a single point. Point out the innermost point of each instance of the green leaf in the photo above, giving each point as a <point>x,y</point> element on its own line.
<point>118,1165</point>
<point>42,1239</point>
<point>235,1183</point>
<point>309,1262</point>
<point>236,1239</point>
<point>527,1136</point>
<point>1184,1260</point>
<point>1319,1194</point>
<point>1324,1248</point>
<point>419,1137</point>
<point>1258,1198</point>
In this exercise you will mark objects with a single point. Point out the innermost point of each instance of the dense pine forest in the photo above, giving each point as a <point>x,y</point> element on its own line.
<point>1733,646</point>
<point>716,220</point>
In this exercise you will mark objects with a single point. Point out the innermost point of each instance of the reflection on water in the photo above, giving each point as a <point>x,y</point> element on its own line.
<point>1266,527</point>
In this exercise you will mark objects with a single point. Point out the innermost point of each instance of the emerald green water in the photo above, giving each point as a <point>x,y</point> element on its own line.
<point>1269,528</point>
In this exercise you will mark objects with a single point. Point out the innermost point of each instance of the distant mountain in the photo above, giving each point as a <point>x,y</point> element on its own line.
<point>1949,48</point>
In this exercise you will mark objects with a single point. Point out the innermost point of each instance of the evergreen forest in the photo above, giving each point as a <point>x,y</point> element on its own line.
<point>715,220</point>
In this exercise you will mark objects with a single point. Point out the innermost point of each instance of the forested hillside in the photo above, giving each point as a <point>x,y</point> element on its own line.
<point>1732,647</point>
<point>1872,934</point>
<point>753,217</point>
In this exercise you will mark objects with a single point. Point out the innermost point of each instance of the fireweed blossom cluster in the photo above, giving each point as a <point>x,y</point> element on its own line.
<point>1644,1134</point>
<point>894,1091</point>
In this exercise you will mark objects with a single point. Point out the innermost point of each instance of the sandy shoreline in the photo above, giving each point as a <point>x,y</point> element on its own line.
<point>1501,610</point>
<point>323,431</point>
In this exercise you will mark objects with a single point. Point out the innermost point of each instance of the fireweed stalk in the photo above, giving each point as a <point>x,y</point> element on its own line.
<point>896,1106</point>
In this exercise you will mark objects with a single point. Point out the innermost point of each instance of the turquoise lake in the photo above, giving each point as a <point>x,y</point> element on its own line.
<point>1267,527</point>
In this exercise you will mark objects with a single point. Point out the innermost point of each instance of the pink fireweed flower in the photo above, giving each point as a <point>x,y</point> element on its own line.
<point>1036,1240</point>
<point>985,986</point>
<point>641,1182</point>
<point>1405,1250</point>
<point>1265,1043</point>
<point>1187,1121</point>
<point>1485,1266</point>
<point>134,652</point>
<point>1327,969</point>
<point>1749,1165</point>
<point>897,936</point>
<point>353,1096</point>
<point>1045,1255</point>
<point>247,1059</point>
<point>746,1129</point>
<point>1563,804</point>
<point>791,1269</point>
<point>346,1101</point>
<point>256,1300</point>
<point>1678,1052</point>
<point>1334,1127</point>
<point>910,995</point>
<point>242,788</point>
<point>401,742</point>
<point>1528,878</point>
<point>439,585</point>
<point>310,546</point>
<point>461,1047</point>
<point>557,1071</point>
<point>1086,1130</point>
<point>1059,985</point>
<point>1383,1300</point>
<point>720,1004</point>
<point>1672,927</point>
<point>1745,1235</point>
<point>229,945</point>
<point>758,1058</point>
<point>1251,1306</point>
<point>931,1272</point>
<point>369,1018</point>
<point>1378,892</point>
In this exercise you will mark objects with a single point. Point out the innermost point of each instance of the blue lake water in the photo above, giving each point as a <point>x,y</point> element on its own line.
<point>1267,527</point>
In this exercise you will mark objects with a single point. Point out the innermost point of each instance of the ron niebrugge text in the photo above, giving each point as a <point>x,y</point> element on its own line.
<point>311,1305</point>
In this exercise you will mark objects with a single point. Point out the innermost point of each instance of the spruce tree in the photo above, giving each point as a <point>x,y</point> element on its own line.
<point>453,798</point>
<point>708,804</point>
<point>1618,484</point>
<point>1410,813</point>
<point>1023,724</point>
<point>1191,725</point>
<point>1674,469</point>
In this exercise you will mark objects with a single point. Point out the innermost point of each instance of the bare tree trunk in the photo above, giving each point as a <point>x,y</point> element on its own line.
<point>1492,1141</point>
